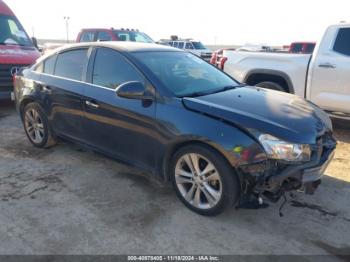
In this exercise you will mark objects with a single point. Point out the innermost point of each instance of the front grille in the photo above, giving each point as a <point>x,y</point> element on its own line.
<point>6,83</point>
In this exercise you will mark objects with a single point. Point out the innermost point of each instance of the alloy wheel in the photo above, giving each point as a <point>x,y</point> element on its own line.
<point>34,126</point>
<point>198,181</point>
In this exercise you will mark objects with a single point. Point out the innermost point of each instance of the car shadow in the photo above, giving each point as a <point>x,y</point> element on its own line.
<point>341,130</point>
<point>6,108</point>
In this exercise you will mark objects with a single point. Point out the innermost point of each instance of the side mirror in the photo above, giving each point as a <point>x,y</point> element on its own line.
<point>35,42</point>
<point>132,90</point>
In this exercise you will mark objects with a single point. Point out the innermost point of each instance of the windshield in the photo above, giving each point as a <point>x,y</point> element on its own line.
<point>133,36</point>
<point>184,74</point>
<point>12,33</point>
<point>198,45</point>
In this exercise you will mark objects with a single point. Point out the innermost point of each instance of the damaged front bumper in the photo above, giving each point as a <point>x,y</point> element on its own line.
<point>278,178</point>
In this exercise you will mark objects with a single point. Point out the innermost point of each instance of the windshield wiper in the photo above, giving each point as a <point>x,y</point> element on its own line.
<point>195,94</point>
<point>225,88</point>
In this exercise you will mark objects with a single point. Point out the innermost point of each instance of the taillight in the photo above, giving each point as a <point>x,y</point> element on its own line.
<point>213,58</point>
<point>222,63</point>
<point>14,79</point>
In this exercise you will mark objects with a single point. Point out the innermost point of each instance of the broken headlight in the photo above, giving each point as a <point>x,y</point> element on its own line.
<point>282,150</point>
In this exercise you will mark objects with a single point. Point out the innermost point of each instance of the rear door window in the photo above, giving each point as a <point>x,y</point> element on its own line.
<point>111,69</point>
<point>87,36</point>
<point>342,43</point>
<point>70,64</point>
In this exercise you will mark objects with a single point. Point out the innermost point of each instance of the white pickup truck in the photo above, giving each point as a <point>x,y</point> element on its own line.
<point>322,78</point>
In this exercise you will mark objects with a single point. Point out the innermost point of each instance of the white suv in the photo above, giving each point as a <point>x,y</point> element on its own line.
<point>195,47</point>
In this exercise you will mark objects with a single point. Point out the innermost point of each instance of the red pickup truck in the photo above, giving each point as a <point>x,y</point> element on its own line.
<point>302,47</point>
<point>16,49</point>
<point>103,34</point>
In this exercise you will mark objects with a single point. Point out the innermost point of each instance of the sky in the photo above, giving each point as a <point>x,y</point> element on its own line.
<point>230,22</point>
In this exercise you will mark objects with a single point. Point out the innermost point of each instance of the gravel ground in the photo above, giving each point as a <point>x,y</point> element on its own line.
<point>66,200</point>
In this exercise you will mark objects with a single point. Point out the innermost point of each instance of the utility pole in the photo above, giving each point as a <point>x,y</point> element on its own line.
<point>67,18</point>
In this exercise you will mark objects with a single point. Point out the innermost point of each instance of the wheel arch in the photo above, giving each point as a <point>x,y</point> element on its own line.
<point>170,151</point>
<point>256,76</point>
<point>24,102</point>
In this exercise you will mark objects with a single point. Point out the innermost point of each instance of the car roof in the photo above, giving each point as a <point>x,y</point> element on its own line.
<point>117,45</point>
<point>109,29</point>
<point>341,25</point>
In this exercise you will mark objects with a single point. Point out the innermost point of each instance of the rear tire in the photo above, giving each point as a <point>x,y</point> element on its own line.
<point>203,180</point>
<point>271,85</point>
<point>37,127</point>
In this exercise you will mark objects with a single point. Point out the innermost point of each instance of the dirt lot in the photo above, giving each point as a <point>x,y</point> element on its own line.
<point>66,200</point>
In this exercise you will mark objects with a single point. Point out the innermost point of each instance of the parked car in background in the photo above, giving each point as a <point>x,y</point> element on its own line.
<point>302,47</point>
<point>190,45</point>
<point>174,115</point>
<point>322,77</point>
<point>256,48</point>
<point>17,50</point>
<point>111,34</point>
<point>218,59</point>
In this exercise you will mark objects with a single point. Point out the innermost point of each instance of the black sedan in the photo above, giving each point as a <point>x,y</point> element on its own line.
<point>176,116</point>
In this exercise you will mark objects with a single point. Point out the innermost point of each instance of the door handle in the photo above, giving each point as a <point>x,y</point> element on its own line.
<point>92,104</point>
<point>327,65</point>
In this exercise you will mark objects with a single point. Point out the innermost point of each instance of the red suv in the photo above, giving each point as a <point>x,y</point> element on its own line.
<point>100,34</point>
<point>16,49</point>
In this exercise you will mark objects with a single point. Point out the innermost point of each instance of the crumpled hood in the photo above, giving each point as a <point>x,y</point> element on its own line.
<point>280,114</point>
<point>18,55</point>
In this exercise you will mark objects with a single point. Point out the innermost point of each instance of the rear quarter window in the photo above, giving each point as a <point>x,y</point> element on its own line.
<point>49,65</point>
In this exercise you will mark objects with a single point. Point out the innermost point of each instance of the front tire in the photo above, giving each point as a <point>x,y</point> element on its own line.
<point>203,180</point>
<point>36,126</point>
